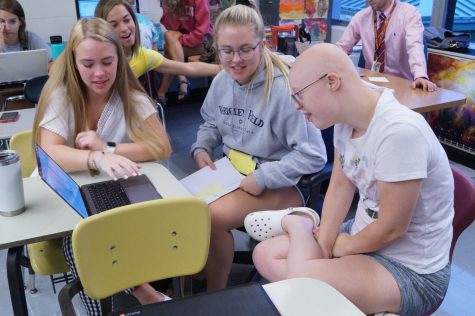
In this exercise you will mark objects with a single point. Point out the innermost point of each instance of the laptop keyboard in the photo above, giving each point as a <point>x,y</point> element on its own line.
<point>107,195</point>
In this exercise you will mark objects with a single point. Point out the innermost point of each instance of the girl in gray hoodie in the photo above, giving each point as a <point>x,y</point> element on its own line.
<point>248,108</point>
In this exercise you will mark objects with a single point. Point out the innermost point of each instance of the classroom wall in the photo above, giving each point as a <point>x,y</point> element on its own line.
<point>57,17</point>
<point>49,17</point>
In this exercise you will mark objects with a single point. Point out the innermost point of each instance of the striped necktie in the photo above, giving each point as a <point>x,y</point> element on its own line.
<point>381,50</point>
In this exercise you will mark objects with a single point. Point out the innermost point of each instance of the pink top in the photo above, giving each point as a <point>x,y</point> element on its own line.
<point>403,39</point>
<point>194,26</point>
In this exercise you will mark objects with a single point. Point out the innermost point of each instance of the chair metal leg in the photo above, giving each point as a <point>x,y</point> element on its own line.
<point>32,282</point>
<point>31,275</point>
<point>4,144</point>
<point>52,283</point>
<point>65,277</point>
<point>149,85</point>
<point>162,113</point>
<point>178,287</point>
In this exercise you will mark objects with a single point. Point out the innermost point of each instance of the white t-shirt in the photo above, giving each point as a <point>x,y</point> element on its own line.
<point>399,145</point>
<point>59,117</point>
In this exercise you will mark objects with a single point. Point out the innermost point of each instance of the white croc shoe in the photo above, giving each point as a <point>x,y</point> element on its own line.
<point>268,224</point>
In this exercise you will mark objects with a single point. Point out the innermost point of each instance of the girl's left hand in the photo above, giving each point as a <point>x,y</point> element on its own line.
<point>250,185</point>
<point>339,248</point>
<point>90,140</point>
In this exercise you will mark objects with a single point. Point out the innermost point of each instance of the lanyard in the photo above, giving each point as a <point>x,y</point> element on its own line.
<point>384,27</point>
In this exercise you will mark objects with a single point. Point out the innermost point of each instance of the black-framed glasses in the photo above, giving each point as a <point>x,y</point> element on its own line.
<point>296,95</point>
<point>245,53</point>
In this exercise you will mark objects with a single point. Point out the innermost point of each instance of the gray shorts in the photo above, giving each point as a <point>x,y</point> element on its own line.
<point>420,293</point>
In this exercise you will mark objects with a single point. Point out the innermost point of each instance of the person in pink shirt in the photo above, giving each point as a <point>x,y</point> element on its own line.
<point>401,34</point>
<point>188,25</point>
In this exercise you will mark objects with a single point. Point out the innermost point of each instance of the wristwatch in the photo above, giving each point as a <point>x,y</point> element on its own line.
<point>111,147</point>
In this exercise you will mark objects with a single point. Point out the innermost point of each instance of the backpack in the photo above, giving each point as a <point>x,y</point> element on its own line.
<point>440,38</point>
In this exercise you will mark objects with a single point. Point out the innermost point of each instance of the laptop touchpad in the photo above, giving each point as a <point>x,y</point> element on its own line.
<point>139,189</point>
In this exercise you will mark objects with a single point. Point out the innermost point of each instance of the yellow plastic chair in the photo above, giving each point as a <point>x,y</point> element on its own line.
<point>136,244</point>
<point>22,143</point>
<point>46,257</point>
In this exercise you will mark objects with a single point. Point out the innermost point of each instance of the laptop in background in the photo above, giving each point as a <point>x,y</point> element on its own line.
<point>23,65</point>
<point>97,197</point>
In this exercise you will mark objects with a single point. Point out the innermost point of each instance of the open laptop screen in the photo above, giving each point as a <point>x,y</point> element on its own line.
<point>58,180</point>
<point>23,65</point>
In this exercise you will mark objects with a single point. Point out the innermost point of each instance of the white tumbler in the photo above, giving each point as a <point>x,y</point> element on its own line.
<point>12,201</point>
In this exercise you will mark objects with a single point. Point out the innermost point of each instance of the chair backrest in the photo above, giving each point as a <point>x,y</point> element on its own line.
<point>33,88</point>
<point>22,143</point>
<point>464,211</point>
<point>361,60</point>
<point>140,243</point>
<point>47,257</point>
<point>464,204</point>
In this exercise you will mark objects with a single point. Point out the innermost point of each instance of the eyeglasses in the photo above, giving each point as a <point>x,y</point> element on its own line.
<point>296,96</point>
<point>10,22</point>
<point>245,53</point>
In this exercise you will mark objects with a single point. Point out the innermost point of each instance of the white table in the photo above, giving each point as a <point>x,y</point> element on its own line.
<point>47,216</point>
<point>304,296</point>
<point>25,122</point>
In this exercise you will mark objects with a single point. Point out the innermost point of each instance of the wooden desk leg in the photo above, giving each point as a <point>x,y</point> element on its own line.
<point>15,281</point>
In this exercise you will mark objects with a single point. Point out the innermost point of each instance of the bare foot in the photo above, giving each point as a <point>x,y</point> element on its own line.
<point>146,294</point>
<point>298,221</point>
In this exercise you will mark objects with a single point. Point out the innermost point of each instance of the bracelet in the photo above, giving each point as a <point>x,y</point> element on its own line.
<point>98,162</point>
<point>93,170</point>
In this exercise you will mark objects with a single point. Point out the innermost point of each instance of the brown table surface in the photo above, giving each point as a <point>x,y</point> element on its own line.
<point>416,99</point>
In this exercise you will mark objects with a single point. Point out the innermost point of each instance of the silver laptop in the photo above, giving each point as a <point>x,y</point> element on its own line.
<point>23,65</point>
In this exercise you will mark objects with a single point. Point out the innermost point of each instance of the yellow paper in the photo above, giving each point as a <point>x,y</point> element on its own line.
<point>242,162</point>
<point>212,190</point>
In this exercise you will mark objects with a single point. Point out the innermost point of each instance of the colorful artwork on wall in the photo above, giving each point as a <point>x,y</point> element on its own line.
<point>455,126</point>
<point>303,9</point>
<point>313,14</point>
<point>317,28</point>
<point>316,9</point>
<point>291,9</point>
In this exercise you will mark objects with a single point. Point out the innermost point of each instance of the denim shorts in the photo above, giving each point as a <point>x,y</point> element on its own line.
<point>304,194</point>
<point>420,293</point>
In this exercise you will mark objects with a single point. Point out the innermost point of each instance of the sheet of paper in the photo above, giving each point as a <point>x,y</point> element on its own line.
<point>209,185</point>
<point>373,86</point>
<point>378,79</point>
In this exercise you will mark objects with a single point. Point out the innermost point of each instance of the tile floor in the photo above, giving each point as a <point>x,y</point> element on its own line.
<point>182,122</point>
